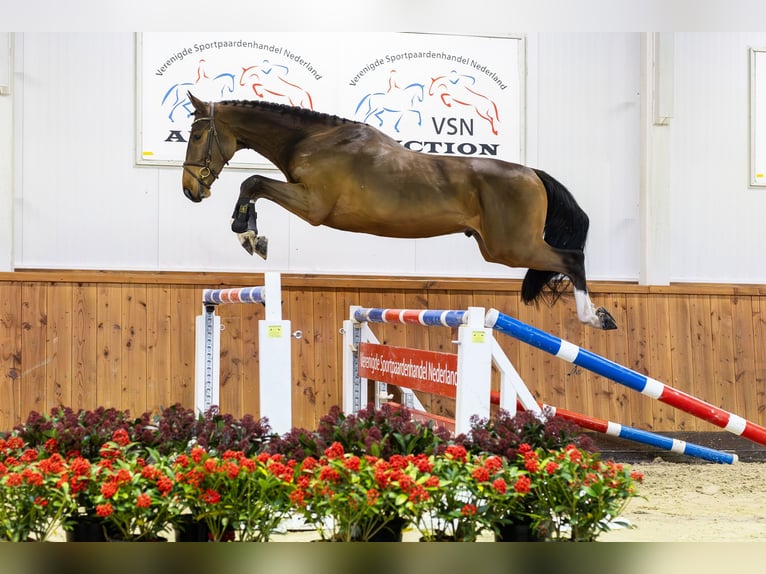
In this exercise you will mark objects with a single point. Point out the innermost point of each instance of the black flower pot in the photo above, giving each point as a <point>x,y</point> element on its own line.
<point>86,529</point>
<point>517,532</point>
<point>188,529</point>
<point>390,532</point>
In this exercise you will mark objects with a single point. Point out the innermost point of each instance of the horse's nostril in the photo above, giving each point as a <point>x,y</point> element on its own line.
<point>188,194</point>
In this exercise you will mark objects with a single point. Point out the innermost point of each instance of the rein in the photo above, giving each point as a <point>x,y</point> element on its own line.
<point>205,169</point>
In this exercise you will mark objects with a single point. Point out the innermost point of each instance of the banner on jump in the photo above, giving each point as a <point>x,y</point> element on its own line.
<point>426,371</point>
<point>450,95</point>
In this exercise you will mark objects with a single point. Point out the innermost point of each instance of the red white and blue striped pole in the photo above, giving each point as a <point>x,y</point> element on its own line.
<point>625,376</point>
<point>234,295</point>
<point>411,316</point>
<point>641,436</point>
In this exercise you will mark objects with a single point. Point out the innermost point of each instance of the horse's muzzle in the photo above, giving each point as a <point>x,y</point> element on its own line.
<point>195,198</point>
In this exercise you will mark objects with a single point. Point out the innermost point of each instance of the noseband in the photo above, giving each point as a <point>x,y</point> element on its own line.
<point>205,170</point>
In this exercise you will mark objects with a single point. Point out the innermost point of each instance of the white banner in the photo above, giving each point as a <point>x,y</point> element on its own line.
<point>453,95</point>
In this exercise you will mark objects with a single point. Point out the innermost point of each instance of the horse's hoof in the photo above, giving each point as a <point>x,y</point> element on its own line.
<point>261,246</point>
<point>248,240</point>
<point>607,321</point>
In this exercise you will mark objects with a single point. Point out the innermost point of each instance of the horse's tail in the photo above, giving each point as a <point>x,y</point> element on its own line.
<point>566,227</point>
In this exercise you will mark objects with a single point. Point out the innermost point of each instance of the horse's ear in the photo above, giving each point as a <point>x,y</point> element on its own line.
<point>198,104</point>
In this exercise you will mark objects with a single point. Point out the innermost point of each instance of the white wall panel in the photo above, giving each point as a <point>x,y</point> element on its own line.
<point>718,232</point>
<point>588,138</point>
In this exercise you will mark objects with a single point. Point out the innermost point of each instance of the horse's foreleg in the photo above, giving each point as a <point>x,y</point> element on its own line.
<point>243,223</point>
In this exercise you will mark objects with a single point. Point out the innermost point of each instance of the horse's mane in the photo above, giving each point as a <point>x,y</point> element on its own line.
<point>298,112</point>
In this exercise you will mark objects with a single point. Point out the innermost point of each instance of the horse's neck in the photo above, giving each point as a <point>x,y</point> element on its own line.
<point>268,131</point>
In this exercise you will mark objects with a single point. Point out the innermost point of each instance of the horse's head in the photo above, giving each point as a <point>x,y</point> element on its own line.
<point>209,149</point>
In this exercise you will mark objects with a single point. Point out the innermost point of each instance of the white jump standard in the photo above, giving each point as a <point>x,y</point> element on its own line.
<point>274,362</point>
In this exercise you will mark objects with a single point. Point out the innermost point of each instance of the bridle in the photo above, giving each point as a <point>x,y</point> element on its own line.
<point>205,170</point>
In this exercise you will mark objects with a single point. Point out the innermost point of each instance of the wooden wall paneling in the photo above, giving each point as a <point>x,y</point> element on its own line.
<point>134,356</point>
<point>231,359</point>
<point>109,341</point>
<point>681,343</point>
<point>185,306</point>
<point>34,322</point>
<point>84,344</point>
<point>328,372</point>
<point>701,353</point>
<point>159,373</point>
<point>58,345</point>
<point>615,348</point>
<point>305,386</point>
<point>659,364</point>
<point>637,326</point>
<point>507,303</point>
<point>722,348</point>
<point>440,340</point>
<point>252,314</point>
<point>759,354</point>
<point>10,356</point>
<point>744,343</point>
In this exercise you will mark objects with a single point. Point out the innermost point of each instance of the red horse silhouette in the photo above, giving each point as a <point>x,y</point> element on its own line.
<point>268,82</point>
<point>458,89</point>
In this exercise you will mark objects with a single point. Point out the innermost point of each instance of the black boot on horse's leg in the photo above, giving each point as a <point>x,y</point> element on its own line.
<point>243,223</point>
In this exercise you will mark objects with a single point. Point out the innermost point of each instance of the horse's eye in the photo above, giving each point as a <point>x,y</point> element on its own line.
<point>196,137</point>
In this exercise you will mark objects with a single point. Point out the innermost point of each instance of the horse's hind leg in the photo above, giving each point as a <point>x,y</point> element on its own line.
<point>539,255</point>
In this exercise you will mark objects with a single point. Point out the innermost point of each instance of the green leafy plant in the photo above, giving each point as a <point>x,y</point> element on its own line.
<point>34,493</point>
<point>136,492</point>
<point>233,493</point>
<point>575,494</point>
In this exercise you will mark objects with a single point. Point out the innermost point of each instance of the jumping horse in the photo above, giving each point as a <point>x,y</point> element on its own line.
<point>351,176</point>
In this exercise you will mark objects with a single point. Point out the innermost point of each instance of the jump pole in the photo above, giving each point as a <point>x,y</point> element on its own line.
<point>625,376</point>
<point>513,391</point>
<point>274,363</point>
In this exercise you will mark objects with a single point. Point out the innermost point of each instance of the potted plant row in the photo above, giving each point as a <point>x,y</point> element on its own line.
<point>356,477</point>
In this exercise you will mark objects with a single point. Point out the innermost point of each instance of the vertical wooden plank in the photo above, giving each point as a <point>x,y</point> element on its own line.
<point>158,357</point>
<point>638,358</point>
<point>134,361</point>
<point>328,373</point>
<point>252,314</point>
<point>681,342</point>
<point>701,357</point>
<point>305,413</point>
<point>744,342</point>
<point>58,344</point>
<point>34,322</point>
<point>614,346</point>
<point>10,356</point>
<point>759,353</point>
<point>722,348</point>
<point>664,416</point>
<point>109,342</point>
<point>344,299</point>
<point>185,305</point>
<point>84,346</point>
<point>231,359</point>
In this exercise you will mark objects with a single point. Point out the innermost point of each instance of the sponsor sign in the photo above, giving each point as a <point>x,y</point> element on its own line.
<point>440,94</point>
<point>426,371</point>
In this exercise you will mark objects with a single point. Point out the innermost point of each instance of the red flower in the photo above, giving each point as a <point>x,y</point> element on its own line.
<point>329,474</point>
<point>532,465</point>
<point>143,500</point>
<point>372,497</point>
<point>352,463</point>
<point>468,510</point>
<point>493,464</point>
<point>524,448</point>
<point>164,485</point>
<point>523,484</point>
<point>104,510</point>
<point>109,489</point>
<point>121,437</point>
<point>500,485</point>
<point>196,453</point>
<point>51,445</point>
<point>456,452</point>
<point>211,496</point>
<point>551,467</point>
<point>335,450</point>
<point>481,474</point>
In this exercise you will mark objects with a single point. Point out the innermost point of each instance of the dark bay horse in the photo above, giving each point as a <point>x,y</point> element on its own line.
<point>351,176</point>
